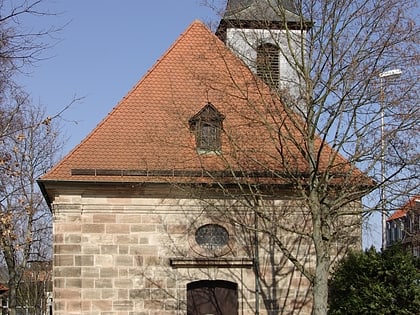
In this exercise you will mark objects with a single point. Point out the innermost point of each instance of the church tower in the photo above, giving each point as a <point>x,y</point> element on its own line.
<point>268,35</point>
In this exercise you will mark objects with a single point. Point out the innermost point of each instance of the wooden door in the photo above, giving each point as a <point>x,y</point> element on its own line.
<point>212,297</point>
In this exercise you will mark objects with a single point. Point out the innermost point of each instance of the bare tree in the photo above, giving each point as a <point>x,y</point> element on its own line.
<point>355,131</point>
<point>28,144</point>
<point>35,287</point>
<point>25,220</point>
<point>22,45</point>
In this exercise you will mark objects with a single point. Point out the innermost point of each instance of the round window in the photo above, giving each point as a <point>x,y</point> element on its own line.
<point>211,236</point>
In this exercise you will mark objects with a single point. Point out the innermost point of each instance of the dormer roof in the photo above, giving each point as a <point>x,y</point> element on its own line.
<point>208,112</point>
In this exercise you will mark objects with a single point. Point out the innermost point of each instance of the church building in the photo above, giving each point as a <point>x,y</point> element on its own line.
<point>179,201</point>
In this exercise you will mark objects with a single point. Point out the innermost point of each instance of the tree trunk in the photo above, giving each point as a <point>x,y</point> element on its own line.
<point>322,249</point>
<point>320,289</point>
<point>12,297</point>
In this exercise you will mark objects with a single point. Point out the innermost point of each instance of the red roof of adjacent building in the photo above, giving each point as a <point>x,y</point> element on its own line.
<point>3,288</point>
<point>146,137</point>
<point>409,205</point>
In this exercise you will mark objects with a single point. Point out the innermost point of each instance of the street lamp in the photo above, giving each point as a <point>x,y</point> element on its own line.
<point>382,77</point>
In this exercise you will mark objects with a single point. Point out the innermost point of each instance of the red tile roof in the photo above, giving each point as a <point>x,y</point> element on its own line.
<point>409,205</point>
<point>147,137</point>
<point>397,214</point>
<point>3,288</point>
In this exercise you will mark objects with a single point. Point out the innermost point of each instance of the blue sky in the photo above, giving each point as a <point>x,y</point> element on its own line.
<point>106,47</point>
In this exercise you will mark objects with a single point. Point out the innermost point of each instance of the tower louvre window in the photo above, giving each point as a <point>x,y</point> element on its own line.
<point>207,126</point>
<point>267,63</point>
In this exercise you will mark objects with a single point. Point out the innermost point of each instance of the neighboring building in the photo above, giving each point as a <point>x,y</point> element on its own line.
<point>3,296</point>
<point>33,293</point>
<point>3,289</point>
<point>141,206</point>
<point>403,226</point>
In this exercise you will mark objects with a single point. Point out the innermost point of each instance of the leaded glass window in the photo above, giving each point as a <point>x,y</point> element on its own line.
<point>211,236</point>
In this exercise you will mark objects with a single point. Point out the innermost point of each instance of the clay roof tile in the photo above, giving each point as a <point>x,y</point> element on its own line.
<point>148,133</point>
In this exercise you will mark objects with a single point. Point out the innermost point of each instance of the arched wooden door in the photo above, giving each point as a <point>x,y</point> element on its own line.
<point>212,297</point>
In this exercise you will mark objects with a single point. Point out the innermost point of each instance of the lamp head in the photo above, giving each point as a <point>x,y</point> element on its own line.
<point>389,73</point>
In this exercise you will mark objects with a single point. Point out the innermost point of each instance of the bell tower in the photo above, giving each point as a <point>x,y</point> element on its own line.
<point>268,35</point>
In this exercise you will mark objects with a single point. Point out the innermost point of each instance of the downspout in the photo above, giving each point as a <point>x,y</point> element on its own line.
<point>256,264</point>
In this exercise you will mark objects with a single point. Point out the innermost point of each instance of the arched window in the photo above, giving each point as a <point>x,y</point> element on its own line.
<point>268,67</point>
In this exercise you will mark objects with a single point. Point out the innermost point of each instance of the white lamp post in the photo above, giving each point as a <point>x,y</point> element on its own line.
<point>383,76</point>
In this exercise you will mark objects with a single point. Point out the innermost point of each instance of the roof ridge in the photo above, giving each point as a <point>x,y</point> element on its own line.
<point>130,92</point>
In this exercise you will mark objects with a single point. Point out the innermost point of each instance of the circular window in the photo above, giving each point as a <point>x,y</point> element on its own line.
<point>211,236</point>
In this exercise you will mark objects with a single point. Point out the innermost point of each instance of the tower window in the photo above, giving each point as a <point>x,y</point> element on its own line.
<point>207,126</point>
<point>267,63</point>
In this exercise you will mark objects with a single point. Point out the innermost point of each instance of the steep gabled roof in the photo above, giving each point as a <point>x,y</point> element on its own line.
<point>147,137</point>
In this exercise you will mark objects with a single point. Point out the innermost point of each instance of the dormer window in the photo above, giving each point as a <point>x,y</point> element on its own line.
<point>268,67</point>
<point>207,126</point>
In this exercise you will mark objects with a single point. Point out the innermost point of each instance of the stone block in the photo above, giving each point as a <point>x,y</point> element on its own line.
<point>153,304</point>
<point>129,218</point>
<point>144,240</point>
<point>68,294</point>
<point>123,249</point>
<point>63,260</point>
<point>74,307</point>
<point>122,305</point>
<point>93,228</point>
<point>68,272</point>
<point>109,294</point>
<point>117,228</point>
<point>123,294</point>
<point>90,272</point>
<point>176,229</point>
<point>127,239</point>
<point>104,218</point>
<point>158,294</point>
<point>88,283</point>
<point>68,228</point>
<point>108,272</point>
<point>142,294</point>
<point>84,260</point>
<point>142,228</point>
<point>91,249</point>
<point>144,250</point>
<point>126,261</point>
<point>101,305</point>
<point>151,218</point>
<point>123,283</point>
<point>103,284</point>
<point>104,260</point>
<point>73,283</point>
<point>109,249</point>
<point>66,249</point>
<point>72,238</point>
<point>90,294</point>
